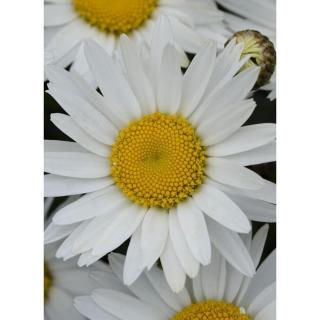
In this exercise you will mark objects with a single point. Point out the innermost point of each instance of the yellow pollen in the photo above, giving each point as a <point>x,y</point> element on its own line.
<point>115,16</point>
<point>47,281</point>
<point>211,310</point>
<point>158,160</point>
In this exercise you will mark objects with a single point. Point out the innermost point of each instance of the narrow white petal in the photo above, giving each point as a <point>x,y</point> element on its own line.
<point>86,306</point>
<point>256,210</point>
<point>169,82</point>
<point>264,298</point>
<point>159,283</point>
<point>196,78</point>
<point>258,243</point>
<point>232,248</point>
<point>55,15</point>
<point>120,229</point>
<point>62,146</point>
<point>91,205</point>
<point>172,268</point>
<point>54,232</point>
<point>231,173</point>
<point>214,127</point>
<point>154,235</point>
<point>125,307</point>
<point>133,265</point>
<point>264,154</point>
<point>85,115</point>
<point>213,277</point>
<point>246,138</point>
<point>69,127</point>
<point>183,252</point>
<point>194,227</point>
<point>59,186</point>
<point>76,164</point>
<point>218,206</point>
<point>136,75</point>
<point>268,312</point>
<point>112,83</point>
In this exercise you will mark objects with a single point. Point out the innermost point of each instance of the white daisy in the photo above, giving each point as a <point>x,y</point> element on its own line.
<point>68,22</point>
<point>219,292</point>
<point>64,280</point>
<point>156,153</point>
<point>257,15</point>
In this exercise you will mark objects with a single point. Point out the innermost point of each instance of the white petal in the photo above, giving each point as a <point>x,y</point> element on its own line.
<point>197,289</point>
<point>232,248</point>
<point>154,235</point>
<point>124,306</point>
<point>55,15</point>
<point>213,277</point>
<point>246,138</point>
<point>162,35</point>
<point>169,81</point>
<point>68,126</point>
<point>262,154</point>
<point>258,243</point>
<point>138,79</point>
<point>196,78</point>
<point>111,82</point>
<point>218,206</point>
<point>231,173</point>
<point>217,126</point>
<point>183,252</point>
<point>76,164</point>
<point>58,186</point>
<point>194,227</point>
<point>91,310</point>
<point>159,283</point>
<point>60,306</point>
<point>85,115</point>
<point>256,210</point>
<point>54,232</point>
<point>133,265</point>
<point>141,288</point>
<point>91,205</point>
<point>222,101</point>
<point>266,275</point>
<point>62,146</point>
<point>120,229</point>
<point>268,312</point>
<point>172,268</point>
<point>264,298</point>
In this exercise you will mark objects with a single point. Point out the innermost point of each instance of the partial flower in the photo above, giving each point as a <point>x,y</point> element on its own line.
<point>158,154</point>
<point>218,292</point>
<point>68,22</point>
<point>64,280</point>
<point>259,15</point>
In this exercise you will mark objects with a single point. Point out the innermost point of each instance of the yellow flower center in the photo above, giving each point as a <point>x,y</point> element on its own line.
<point>115,16</point>
<point>47,281</point>
<point>158,161</point>
<point>211,310</point>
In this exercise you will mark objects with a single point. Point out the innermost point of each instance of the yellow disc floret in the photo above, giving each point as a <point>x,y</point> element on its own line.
<point>158,161</point>
<point>115,16</point>
<point>47,277</point>
<point>211,310</point>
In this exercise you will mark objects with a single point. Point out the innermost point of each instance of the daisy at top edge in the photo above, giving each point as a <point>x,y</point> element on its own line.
<point>259,15</point>
<point>63,281</point>
<point>68,22</point>
<point>219,292</point>
<point>159,154</point>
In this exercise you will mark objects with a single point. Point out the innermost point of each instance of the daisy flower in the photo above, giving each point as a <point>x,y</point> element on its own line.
<point>218,292</point>
<point>68,22</point>
<point>257,15</point>
<point>157,154</point>
<point>64,280</point>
